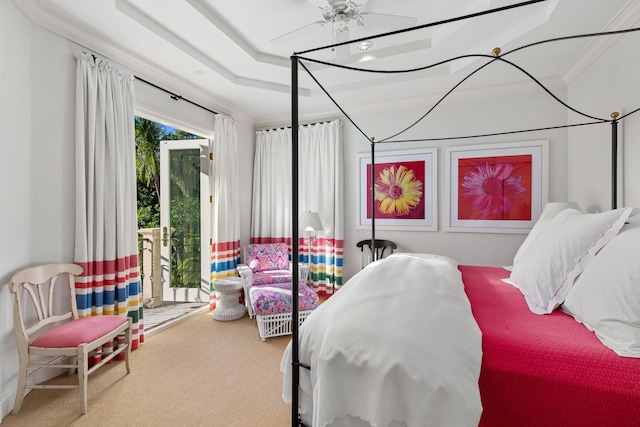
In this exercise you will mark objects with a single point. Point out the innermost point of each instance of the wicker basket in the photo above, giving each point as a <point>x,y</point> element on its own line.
<point>273,325</point>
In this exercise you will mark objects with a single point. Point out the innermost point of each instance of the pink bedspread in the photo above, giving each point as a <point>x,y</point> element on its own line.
<point>545,370</point>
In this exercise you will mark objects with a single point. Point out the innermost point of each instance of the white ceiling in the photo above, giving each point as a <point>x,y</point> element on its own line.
<point>219,53</point>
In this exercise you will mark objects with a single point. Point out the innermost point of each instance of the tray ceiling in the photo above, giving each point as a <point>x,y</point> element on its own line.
<point>222,54</point>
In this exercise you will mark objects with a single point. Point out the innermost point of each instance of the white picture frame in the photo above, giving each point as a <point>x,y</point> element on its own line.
<point>528,180</point>
<point>421,165</point>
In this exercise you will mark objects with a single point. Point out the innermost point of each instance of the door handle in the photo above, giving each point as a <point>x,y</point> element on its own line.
<point>165,237</point>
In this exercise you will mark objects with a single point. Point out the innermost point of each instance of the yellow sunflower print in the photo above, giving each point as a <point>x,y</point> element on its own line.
<point>397,190</point>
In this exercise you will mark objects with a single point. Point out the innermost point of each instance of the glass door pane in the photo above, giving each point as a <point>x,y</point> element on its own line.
<point>184,185</point>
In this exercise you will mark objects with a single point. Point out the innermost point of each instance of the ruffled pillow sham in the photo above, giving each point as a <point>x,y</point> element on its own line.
<point>606,296</point>
<point>547,268</point>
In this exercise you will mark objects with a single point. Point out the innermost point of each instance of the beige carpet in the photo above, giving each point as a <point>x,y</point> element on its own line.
<point>200,372</point>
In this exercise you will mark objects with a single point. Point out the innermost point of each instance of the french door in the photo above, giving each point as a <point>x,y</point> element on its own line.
<point>184,220</point>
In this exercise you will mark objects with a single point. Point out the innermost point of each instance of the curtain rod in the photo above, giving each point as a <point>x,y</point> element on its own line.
<point>175,96</point>
<point>282,127</point>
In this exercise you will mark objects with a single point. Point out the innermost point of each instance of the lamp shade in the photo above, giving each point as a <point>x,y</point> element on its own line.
<point>310,221</point>
<point>557,207</point>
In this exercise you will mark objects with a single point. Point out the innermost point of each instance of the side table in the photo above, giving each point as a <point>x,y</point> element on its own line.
<point>303,273</point>
<point>229,307</point>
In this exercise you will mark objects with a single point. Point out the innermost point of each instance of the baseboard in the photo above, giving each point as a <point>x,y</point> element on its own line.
<point>6,403</point>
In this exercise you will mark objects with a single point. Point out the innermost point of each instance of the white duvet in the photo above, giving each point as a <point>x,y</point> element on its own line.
<point>395,345</point>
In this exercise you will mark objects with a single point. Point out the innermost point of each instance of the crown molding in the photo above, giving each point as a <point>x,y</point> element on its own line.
<point>49,19</point>
<point>624,19</point>
<point>33,9</point>
<point>240,41</point>
<point>161,31</point>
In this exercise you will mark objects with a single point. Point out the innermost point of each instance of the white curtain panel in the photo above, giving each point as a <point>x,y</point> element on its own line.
<point>321,189</point>
<point>225,209</point>
<point>106,241</point>
<point>271,198</point>
<point>321,176</point>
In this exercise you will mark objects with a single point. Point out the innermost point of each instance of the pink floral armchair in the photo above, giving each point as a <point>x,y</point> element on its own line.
<point>269,263</point>
<point>267,271</point>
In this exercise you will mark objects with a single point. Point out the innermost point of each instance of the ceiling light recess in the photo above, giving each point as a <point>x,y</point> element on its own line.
<point>365,45</point>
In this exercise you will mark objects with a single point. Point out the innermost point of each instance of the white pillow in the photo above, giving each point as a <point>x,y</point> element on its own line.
<point>549,212</point>
<point>538,228</point>
<point>548,267</point>
<point>606,296</point>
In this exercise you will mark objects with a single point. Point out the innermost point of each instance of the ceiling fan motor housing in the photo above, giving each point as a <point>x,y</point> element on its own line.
<point>338,13</point>
<point>349,9</point>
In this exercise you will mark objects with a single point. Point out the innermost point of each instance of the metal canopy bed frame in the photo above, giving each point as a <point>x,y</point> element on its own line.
<point>496,55</point>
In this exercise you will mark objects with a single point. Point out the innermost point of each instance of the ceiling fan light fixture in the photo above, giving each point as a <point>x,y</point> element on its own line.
<point>365,45</point>
<point>339,13</point>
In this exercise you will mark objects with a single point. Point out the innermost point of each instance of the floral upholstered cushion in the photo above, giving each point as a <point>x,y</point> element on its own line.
<point>271,256</point>
<point>269,277</point>
<point>276,298</point>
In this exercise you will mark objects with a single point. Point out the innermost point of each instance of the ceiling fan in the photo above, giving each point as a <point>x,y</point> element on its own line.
<point>339,13</point>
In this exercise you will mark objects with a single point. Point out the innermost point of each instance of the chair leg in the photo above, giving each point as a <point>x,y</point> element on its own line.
<point>83,368</point>
<point>74,361</point>
<point>23,376</point>
<point>127,352</point>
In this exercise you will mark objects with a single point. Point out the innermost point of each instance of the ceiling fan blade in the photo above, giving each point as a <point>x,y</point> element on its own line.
<point>285,38</point>
<point>342,52</point>
<point>385,22</point>
<point>318,3</point>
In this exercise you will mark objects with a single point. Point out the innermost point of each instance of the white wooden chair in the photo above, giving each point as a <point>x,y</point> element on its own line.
<point>46,323</point>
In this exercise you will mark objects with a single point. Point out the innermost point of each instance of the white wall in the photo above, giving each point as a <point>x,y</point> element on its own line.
<point>37,83</point>
<point>37,163</point>
<point>15,175</point>
<point>39,171</point>
<point>495,110</point>
<point>610,84</point>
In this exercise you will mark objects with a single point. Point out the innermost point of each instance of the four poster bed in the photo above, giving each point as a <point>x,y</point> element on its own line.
<point>416,339</point>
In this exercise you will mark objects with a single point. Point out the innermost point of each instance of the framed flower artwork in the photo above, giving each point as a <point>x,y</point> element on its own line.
<point>404,190</point>
<point>496,188</point>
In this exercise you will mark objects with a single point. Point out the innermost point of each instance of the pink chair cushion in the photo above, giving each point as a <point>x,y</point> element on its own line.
<point>271,256</point>
<point>269,277</point>
<point>76,332</point>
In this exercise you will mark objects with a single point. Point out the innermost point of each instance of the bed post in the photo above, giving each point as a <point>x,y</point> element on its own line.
<point>373,199</point>
<point>614,160</point>
<point>295,378</point>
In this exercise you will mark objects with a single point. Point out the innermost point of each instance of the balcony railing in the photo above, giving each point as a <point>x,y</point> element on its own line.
<point>150,267</point>
<point>184,268</point>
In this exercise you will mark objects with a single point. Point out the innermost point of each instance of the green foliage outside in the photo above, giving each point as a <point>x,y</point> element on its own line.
<point>148,207</point>
<point>148,136</point>
<point>185,217</point>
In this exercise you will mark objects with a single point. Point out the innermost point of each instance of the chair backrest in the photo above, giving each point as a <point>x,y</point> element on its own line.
<point>267,256</point>
<point>382,248</point>
<point>44,296</point>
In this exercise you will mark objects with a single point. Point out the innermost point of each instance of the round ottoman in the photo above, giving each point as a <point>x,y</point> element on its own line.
<point>229,307</point>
